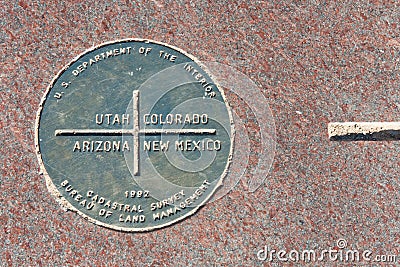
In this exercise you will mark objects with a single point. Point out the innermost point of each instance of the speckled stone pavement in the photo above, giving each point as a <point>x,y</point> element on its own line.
<point>314,61</point>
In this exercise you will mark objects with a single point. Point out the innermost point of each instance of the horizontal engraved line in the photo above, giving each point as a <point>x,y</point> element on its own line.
<point>106,132</point>
<point>68,132</point>
<point>364,131</point>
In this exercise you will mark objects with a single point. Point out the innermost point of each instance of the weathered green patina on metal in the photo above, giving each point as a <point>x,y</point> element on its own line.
<point>134,135</point>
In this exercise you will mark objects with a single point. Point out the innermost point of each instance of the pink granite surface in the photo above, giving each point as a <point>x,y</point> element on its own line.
<point>315,62</point>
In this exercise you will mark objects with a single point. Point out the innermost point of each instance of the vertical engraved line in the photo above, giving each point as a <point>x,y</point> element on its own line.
<point>136,129</point>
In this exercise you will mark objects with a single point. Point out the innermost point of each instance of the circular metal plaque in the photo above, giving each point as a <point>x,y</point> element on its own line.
<point>134,135</point>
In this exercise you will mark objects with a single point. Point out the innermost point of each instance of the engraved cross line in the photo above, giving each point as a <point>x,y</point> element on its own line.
<point>135,132</point>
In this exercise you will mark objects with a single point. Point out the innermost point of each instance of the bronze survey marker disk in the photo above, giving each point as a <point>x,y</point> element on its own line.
<point>134,135</point>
